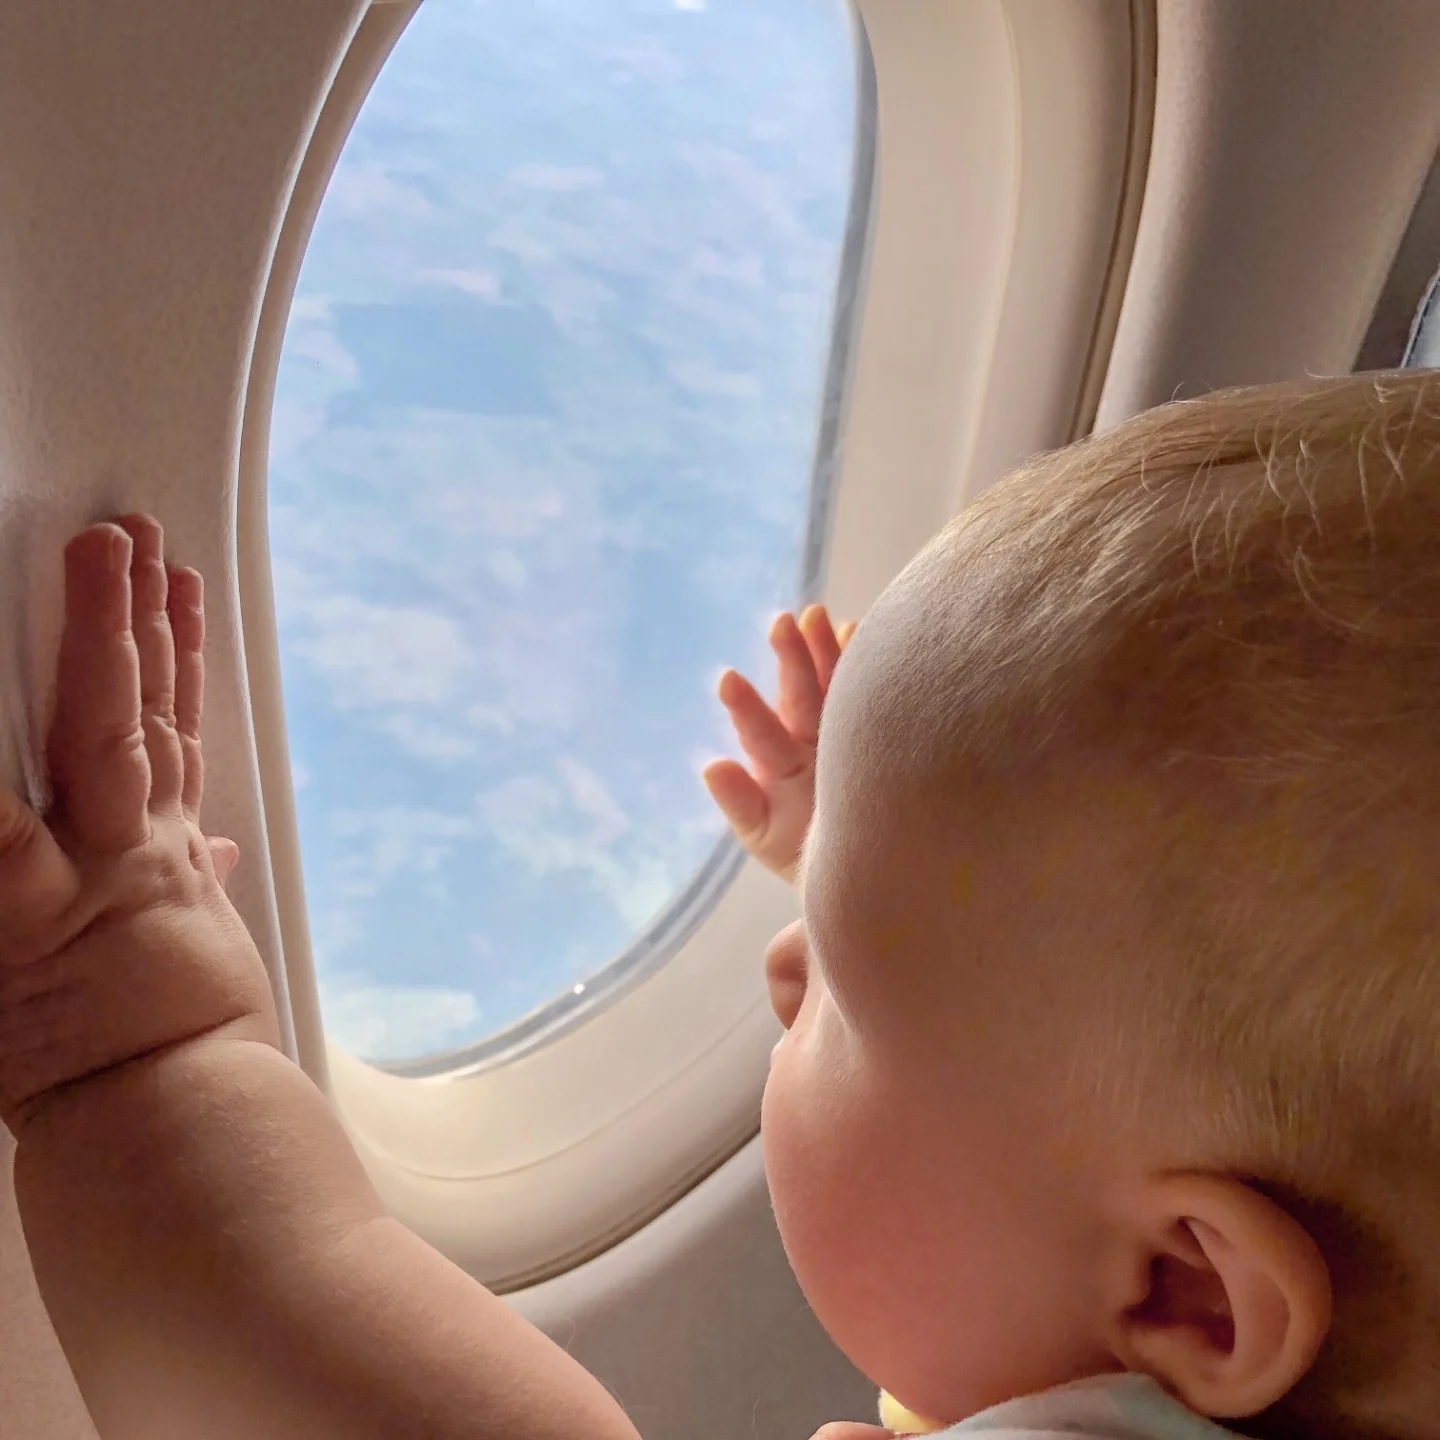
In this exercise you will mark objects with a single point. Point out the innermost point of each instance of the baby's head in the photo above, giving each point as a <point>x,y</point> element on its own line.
<point>1114,1021</point>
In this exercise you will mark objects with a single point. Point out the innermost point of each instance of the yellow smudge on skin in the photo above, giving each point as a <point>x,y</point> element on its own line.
<point>962,881</point>
<point>889,938</point>
<point>1368,886</point>
<point>1131,799</point>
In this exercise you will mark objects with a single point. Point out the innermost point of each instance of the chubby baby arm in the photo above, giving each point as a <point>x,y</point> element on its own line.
<point>211,1252</point>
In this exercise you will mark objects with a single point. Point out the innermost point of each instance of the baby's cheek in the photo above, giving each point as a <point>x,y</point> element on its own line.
<point>796,1165</point>
<point>827,1189</point>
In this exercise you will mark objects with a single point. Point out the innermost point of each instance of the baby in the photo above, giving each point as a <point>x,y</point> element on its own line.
<point>1109,1099</point>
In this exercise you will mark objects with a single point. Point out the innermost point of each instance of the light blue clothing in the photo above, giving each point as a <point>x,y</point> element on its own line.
<point>1108,1407</point>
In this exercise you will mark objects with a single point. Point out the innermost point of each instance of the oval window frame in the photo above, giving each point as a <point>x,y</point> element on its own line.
<point>517,1170</point>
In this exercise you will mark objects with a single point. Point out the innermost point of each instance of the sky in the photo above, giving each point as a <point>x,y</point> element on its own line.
<point>540,468</point>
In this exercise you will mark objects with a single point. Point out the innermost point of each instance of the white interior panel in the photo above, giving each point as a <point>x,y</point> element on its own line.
<point>1291,141</point>
<point>1414,268</point>
<point>697,1326</point>
<point>148,152</point>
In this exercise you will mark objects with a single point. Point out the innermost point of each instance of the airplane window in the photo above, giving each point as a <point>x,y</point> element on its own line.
<point>541,464</point>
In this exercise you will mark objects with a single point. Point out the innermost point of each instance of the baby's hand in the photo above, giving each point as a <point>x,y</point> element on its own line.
<point>116,939</point>
<point>769,806</point>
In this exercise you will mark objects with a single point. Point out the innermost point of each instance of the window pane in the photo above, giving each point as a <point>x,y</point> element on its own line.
<point>540,467</point>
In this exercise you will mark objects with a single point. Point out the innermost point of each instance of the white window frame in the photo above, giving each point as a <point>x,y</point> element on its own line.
<point>1012,144</point>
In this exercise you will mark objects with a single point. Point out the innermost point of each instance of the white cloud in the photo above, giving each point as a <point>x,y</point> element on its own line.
<point>524,244</point>
<point>690,4</point>
<point>312,309</point>
<point>386,841</point>
<point>532,820</point>
<point>556,178</point>
<point>763,198</point>
<point>378,655</point>
<point>745,269</point>
<point>575,302</point>
<point>522,802</point>
<point>299,776</point>
<point>646,60</point>
<point>368,188</point>
<point>635,888</point>
<point>319,343</point>
<point>508,569</point>
<point>333,931</point>
<point>293,424</point>
<point>380,1022</point>
<point>482,284</point>
<point>706,379</point>
<point>427,740</point>
<point>525,504</point>
<point>590,797</point>
<point>490,718</point>
<point>485,500</point>
<point>639,894</point>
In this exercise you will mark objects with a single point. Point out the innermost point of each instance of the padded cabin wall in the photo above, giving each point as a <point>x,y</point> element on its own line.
<point>697,1326</point>
<point>1290,142</point>
<point>149,149</point>
<point>149,153</point>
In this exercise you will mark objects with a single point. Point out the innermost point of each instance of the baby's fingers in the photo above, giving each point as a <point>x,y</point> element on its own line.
<point>740,797</point>
<point>37,879</point>
<point>801,690</point>
<point>823,643</point>
<point>155,645</point>
<point>97,744</point>
<point>775,752</point>
<point>185,606</point>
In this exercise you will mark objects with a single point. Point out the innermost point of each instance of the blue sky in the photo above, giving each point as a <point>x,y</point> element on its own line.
<point>539,469</point>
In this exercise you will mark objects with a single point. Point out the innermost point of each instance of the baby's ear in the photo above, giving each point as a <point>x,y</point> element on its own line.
<point>1234,1296</point>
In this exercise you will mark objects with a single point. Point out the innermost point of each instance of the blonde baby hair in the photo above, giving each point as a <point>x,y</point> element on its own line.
<point>1237,599</point>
